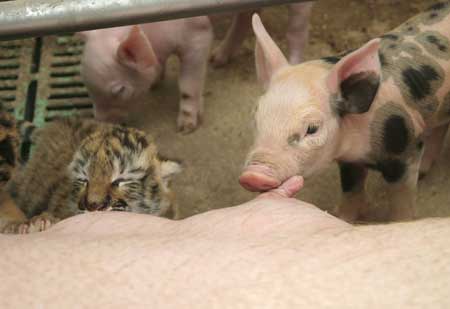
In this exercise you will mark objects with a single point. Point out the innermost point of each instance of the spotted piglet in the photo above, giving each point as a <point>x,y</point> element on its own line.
<point>119,66</point>
<point>385,106</point>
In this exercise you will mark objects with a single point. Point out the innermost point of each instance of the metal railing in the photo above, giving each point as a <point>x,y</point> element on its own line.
<point>30,18</point>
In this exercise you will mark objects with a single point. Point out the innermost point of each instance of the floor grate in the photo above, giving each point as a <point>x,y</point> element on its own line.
<point>40,78</point>
<point>61,91</point>
<point>15,74</point>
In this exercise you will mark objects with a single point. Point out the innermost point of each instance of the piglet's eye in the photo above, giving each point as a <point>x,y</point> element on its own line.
<point>312,129</point>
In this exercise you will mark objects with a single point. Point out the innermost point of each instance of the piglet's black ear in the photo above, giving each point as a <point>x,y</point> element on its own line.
<point>355,79</point>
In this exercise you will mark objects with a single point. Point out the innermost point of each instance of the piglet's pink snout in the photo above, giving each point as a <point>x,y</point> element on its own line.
<point>257,178</point>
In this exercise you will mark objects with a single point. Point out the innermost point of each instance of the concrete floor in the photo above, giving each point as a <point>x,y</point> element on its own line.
<point>213,155</point>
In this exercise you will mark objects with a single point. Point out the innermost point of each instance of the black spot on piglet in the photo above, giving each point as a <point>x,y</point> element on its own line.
<point>390,36</point>
<point>392,169</point>
<point>396,135</point>
<point>419,80</point>
<point>435,41</point>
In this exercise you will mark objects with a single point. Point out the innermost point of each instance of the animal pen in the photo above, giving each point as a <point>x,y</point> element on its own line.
<point>40,80</point>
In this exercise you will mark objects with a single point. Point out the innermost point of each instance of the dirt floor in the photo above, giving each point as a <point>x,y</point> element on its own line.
<point>214,154</point>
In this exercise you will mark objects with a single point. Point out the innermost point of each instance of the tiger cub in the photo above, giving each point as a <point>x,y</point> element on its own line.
<point>81,165</point>
<point>10,139</point>
<point>9,144</point>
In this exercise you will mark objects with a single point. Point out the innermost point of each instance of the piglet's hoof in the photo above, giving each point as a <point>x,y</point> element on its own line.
<point>187,123</point>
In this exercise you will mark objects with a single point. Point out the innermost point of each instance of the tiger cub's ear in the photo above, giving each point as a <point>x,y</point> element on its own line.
<point>169,169</point>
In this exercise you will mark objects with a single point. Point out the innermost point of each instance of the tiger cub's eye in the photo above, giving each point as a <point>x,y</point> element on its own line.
<point>117,182</point>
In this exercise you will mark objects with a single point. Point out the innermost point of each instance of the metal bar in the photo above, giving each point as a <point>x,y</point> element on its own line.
<point>30,18</point>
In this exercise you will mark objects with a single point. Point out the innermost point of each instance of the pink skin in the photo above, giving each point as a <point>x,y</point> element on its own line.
<point>272,252</point>
<point>296,34</point>
<point>120,65</point>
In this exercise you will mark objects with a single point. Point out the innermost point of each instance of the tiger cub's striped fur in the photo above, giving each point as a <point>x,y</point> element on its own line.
<point>9,145</point>
<point>82,165</point>
<point>12,133</point>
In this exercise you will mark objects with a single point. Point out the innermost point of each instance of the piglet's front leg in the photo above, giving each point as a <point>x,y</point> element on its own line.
<point>353,179</point>
<point>191,97</point>
<point>194,63</point>
<point>402,192</point>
